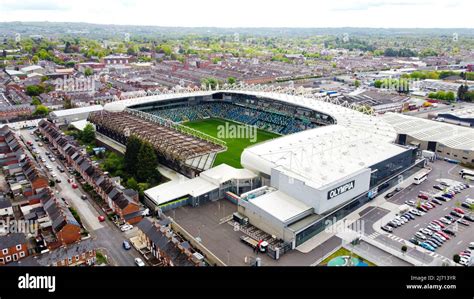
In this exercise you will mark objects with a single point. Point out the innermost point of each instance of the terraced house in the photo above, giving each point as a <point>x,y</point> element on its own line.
<point>124,202</point>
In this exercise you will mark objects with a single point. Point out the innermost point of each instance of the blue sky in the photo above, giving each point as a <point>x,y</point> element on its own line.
<point>248,13</point>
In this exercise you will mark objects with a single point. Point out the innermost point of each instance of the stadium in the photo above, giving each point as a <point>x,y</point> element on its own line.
<point>311,159</point>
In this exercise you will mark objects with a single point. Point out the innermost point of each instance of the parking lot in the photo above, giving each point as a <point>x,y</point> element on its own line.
<point>441,171</point>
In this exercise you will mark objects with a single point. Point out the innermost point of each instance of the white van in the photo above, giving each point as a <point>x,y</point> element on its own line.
<point>470,201</point>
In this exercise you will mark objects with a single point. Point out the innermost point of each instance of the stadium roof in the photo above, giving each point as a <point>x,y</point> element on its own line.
<point>453,136</point>
<point>69,112</point>
<point>320,156</point>
<point>343,116</point>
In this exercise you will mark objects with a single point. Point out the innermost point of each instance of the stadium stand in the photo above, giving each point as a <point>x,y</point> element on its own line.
<point>280,122</point>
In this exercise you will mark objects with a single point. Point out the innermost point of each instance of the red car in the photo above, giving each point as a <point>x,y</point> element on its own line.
<point>101,218</point>
<point>439,223</point>
<point>444,235</point>
<point>75,186</point>
<point>460,211</point>
<point>422,196</point>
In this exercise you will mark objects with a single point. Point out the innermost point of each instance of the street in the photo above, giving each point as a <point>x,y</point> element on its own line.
<point>105,234</point>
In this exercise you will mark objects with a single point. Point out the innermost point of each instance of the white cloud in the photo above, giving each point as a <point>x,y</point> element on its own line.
<point>247,13</point>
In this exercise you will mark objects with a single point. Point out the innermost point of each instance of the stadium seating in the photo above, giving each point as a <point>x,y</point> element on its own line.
<point>281,122</point>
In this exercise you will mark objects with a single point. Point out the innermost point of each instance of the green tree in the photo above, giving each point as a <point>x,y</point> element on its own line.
<point>133,184</point>
<point>231,80</point>
<point>147,161</point>
<point>34,90</point>
<point>88,72</point>
<point>88,134</point>
<point>456,258</point>
<point>131,155</point>
<point>41,110</point>
<point>357,83</point>
<point>35,101</point>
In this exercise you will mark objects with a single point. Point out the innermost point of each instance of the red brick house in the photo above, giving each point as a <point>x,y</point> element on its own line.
<point>13,247</point>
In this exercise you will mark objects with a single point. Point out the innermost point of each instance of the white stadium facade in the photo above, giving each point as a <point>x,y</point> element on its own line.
<point>290,185</point>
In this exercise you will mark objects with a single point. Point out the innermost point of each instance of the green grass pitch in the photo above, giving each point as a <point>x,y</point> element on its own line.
<point>235,146</point>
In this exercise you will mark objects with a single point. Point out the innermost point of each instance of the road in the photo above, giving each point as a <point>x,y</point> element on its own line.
<point>105,234</point>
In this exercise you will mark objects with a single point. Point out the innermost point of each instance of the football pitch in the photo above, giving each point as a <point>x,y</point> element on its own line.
<point>235,146</point>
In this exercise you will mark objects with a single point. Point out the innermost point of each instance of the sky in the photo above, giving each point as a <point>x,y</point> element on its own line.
<point>247,13</point>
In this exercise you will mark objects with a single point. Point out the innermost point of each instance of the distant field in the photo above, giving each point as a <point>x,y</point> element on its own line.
<point>235,146</point>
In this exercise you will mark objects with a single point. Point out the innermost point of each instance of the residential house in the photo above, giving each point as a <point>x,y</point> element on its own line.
<point>12,248</point>
<point>164,245</point>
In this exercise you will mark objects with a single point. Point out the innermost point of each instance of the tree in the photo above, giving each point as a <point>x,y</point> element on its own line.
<point>231,80</point>
<point>357,83</point>
<point>147,161</point>
<point>88,72</point>
<point>34,90</point>
<point>450,96</point>
<point>456,258</point>
<point>35,101</point>
<point>131,155</point>
<point>133,184</point>
<point>88,134</point>
<point>404,249</point>
<point>462,91</point>
<point>41,110</point>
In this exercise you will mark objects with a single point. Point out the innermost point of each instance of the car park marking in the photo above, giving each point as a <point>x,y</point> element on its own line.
<point>416,225</point>
<point>445,209</point>
<point>459,242</point>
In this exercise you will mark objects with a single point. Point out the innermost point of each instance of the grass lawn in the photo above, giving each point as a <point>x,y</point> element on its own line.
<point>235,146</point>
<point>342,252</point>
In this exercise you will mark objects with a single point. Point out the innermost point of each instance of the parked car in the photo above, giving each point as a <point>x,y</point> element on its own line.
<point>410,203</point>
<point>447,195</point>
<point>139,262</point>
<point>427,246</point>
<point>126,227</point>
<point>423,196</point>
<point>469,218</point>
<point>409,216</point>
<point>101,218</point>
<point>460,211</point>
<point>83,196</point>
<point>126,245</point>
<point>420,236</point>
<point>387,228</point>
<point>431,243</point>
<point>448,231</point>
<point>414,241</point>
<point>436,201</point>
<point>466,205</point>
<point>463,222</point>
<point>471,245</point>
<point>441,235</point>
<point>438,187</point>
<point>426,231</point>
<point>445,221</point>
<point>444,184</point>
<point>441,198</point>
<point>436,241</point>
<point>456,214</point>
<point>439,223</point>
<point>74,186</point>
<point>450,218</point>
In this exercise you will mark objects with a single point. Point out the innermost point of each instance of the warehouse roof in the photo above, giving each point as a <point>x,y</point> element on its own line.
<point>453,136</point>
